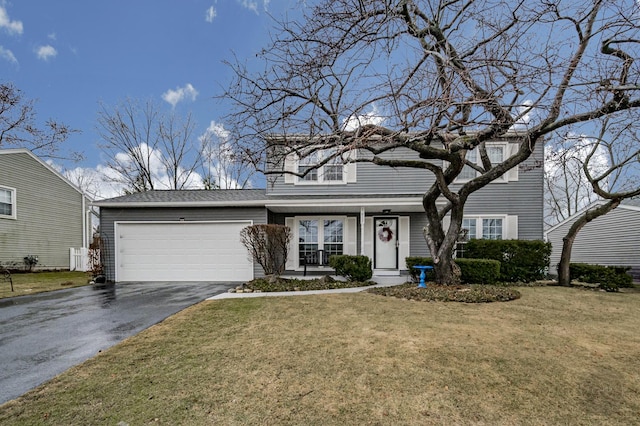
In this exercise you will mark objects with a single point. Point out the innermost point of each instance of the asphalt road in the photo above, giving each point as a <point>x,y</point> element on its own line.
<point>45,334</point>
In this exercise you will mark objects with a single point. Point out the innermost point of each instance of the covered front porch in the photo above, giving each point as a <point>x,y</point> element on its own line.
<point>385,229</point>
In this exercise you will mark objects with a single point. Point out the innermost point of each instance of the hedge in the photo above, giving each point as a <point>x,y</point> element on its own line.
<point>520,260</point>
<point>609,278</point>
<point>473,271</point>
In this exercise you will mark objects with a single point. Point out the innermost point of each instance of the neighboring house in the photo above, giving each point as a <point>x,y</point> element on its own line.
<point>612,239</point>
<point>41,213</point>
<point>358,208</point>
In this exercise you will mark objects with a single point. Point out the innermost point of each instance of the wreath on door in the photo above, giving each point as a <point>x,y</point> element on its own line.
<point>385,234</point>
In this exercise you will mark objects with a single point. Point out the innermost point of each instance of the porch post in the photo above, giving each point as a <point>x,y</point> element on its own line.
<point>362,217</point>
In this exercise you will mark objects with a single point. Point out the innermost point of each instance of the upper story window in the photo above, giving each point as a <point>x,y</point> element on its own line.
<point>333,171</point>
<point>7,203</point>
<point>497,153</point>
<point>316,171</point>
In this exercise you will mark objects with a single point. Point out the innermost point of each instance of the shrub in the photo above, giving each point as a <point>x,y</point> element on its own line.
<point>473,271</point>
<point>609,278</point>
<point>30,261</point>
<point>268,245</point>
<point>415,261</point>
<point>479,271</point>
<point>520,261</point>
<point>353,268</point>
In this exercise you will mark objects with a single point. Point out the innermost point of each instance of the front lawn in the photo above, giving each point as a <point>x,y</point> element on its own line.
<point>554,356</point>
<point>38,282</point>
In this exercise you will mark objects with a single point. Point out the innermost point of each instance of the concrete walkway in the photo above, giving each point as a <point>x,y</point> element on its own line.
<point>380,282</point>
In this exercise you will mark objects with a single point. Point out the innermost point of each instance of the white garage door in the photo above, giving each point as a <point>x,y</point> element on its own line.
<point>181,251</point>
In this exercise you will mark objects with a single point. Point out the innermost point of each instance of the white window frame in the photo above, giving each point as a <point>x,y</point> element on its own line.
<point>14,204</point>
<point>319,172</point>
<point>321,242</point>
<point>478,161</point>
<point>479,234</point>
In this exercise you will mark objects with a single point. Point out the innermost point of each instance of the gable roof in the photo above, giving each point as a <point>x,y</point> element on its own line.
<point>259,198</point>
<point>632,204</point>
<point>13,151</point>
<point>189,197</point>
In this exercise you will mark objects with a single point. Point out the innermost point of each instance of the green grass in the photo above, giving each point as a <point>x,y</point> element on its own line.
<point>554,356</point>
<point>38,282</point>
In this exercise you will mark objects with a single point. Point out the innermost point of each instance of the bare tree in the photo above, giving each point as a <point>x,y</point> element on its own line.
<point>615,177</point>
<point>223,165</point>
<point>446,77</point>
<point>18,127</point>
<point>566,189</point>
<point>268,245</point>
<point>146,149</point>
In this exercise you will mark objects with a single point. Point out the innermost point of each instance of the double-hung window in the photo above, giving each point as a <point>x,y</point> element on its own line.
<point>7,203</point>
<point>479,228</point>
<point>495,151</point>
<point>320,238</point>
<point>492,229</point>
<point>329,172</point>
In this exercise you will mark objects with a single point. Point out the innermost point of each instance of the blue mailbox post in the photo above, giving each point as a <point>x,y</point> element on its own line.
<point>423,274</point>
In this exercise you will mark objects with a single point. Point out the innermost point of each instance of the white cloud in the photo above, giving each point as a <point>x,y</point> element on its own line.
<point>52,36</point>
<point>46,52</point>
<point>217,130</point>
<point>249,4</point>
<point>523,116</point>
<point>211,14</point>
<point>355,121</point>
<point>252,5</point>
<point>187,92</point>
<point>219,156</point>
<point>8,55</point>
<point>12,27</point>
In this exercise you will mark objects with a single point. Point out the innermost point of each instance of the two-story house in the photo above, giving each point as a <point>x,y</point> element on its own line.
<point>354,208</point>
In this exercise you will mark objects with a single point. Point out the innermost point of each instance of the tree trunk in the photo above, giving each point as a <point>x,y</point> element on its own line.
<point>441,242</point>
<point>564,277</point>
<point>447,272</point>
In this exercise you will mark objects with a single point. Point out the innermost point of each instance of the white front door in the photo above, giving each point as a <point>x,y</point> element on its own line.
<point>385,243</point>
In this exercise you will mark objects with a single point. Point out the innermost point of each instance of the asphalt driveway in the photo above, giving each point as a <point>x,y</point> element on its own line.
<point>43,335</point>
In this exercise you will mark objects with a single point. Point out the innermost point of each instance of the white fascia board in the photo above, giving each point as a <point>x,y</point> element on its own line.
<point>251,203</point>
<point>351,202</point>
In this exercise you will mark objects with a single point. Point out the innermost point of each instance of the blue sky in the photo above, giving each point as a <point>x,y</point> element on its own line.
<point>70,55</point>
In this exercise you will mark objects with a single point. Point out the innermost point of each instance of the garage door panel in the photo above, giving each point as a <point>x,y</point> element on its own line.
<point>182,251</point>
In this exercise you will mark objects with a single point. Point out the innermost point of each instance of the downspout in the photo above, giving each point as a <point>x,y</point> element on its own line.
<point>84,222</point>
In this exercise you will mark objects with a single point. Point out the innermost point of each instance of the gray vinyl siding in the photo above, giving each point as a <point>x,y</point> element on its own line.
<point>612,239</point>
<point>49,214</point>
<point>523,197</point>
<point>108,216</point>
<point>371,179</point>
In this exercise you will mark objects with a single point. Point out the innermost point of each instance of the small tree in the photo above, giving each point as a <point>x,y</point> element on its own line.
<point>268,245</point>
